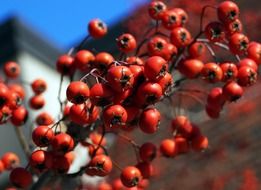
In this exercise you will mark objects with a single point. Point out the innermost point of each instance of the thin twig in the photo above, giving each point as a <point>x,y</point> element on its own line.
<point>23,141</point>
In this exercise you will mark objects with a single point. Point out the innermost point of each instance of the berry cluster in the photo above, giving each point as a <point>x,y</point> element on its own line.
<point>119,95</point>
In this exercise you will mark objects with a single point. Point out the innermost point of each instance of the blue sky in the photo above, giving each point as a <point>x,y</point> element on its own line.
<point>64,22</point>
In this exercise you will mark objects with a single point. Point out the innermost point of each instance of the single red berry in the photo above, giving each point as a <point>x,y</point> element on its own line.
<point>212,73</point>
<point>215,32</point>
<point>65,65</point>
<point>18,89</point>
<point>20,177</point>
<point>254,52</point>
<point>238,43</point>
<point>83,60</point>
<point>10,160</point>
<point>182,125</point>
<point>148,152</point>
<point>114,116</point>
<point>182,144</point>
<point>102,61</point>
<point>232,91</point>
<point>191,68</point>
<point>40,160</point>
<point>197,50</point>
<point>170,19</point>
<point>62,143</point>
<point>44,118</point>
<point>149,120</point>
<point>101,94</point>
<point>42,135</point>
<point>39,86</point>
<point>120,78</point>
<point>37,102</point>
<point>230,71</point>
<point>168,148</point>
<point>227,11</point>
<point>77,92</point>
<point>11,69</point>
<point>248,62</point>
<point>165,82</point>
<point>155,67</point>
<point>247,76</point>
<point>130,176</point>
<point>97,28</point>
<point>101,164</point>
<point>19,116</point>
<point>180,37</point>
<point>146,169</point>
<point>234,26</point>
<point>126,43</point>
<point>148,93</point>
<point>183,16</point>
<point>156,9</point>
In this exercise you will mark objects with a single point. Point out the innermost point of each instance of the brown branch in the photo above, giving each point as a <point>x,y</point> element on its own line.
<point>23,141</point>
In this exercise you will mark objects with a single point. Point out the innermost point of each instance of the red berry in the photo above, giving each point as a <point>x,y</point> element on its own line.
<point>39,86</point>
<point>77,92</point>
<point>97,28</point>
<point>12,69</point>
<point>126,43</point>
<point>149,120</point>
<point>62,143</point>
<point>227,11</point>
<point>42,135</point>
<point>130,176</point>
<point>20,177</point>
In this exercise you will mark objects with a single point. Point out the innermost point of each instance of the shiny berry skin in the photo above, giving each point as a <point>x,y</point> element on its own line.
<point>83,60</point>
<point>182,144</point>
<point>14,100</point>
<point>180,37</point>
<point>183,16</point>
<point>101,164</point>
<point>97,28</point>
<point>168,148</point>
<point>156,45</point>
<point>247,76</point>
<point>11,69</point>
<point>212,111</point>
<point>42,135</point>
<point>148,93</point>
<point>37,102</point>
<point>199,143</point>
<point>232,91</point>
<point>65,65</point>
<point>39,86</point>
<point>18,89</point>
<point>156,9</point>
<point>248,62</point>
<point>165,82</point>
<point>230,71</point>
<point>238,43</point>
<point>120,78</point>
<point>147,152</point>
<point>146,169</point>
<point>62,143</point>
<point>215,32</point>
<point>191,68</point>
<point>101,94</point>
<point>197,50</point>
<point>227,11</point>
<point>126,43</point>
<point>83,114</point>
<point>212,73</point>
<point>77,92</point>
<point>61,164</point>
<point>149,120</point>
<point>155,67</point>
<point>114,116</point>
<point>170,19</point>
<point>102,61</point>
<point>133,60</point>
<point>182,125</point>
<point>44,118</point>
<point>40,160</point>
<point>233,27</point>
<point>20,177</point>
<point>10,160</point>
<point>216,97</point>
<point>254,52</point>
<point>130,176</point>
<point>19,116</point>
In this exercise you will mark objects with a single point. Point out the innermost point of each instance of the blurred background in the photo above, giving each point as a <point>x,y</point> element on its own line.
<point>35,33</point>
